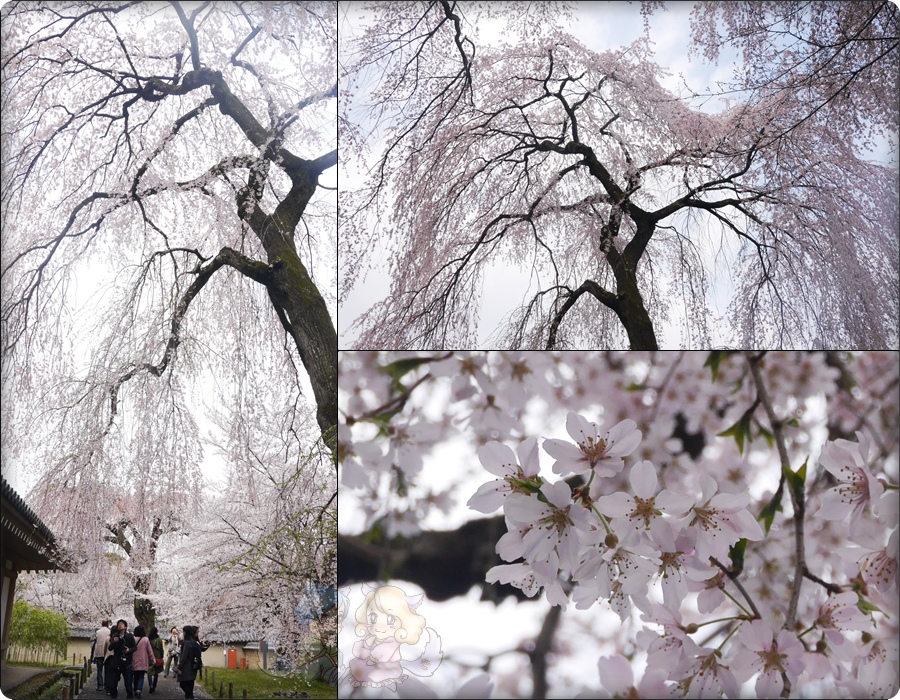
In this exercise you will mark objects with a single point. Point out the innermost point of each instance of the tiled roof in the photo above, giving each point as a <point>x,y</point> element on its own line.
<point>25,534</point>
<point>19,504</point>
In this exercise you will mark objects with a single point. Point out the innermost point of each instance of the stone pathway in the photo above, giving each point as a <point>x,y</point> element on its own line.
<point>166,689</point>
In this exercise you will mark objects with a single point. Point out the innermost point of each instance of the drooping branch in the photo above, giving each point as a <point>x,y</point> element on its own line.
<point>255,270</point>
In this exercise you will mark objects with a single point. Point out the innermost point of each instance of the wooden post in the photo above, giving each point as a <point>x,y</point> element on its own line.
<point>244,694</point>
<point>71,686</point>
<point>230,692</point>
<point>213,679</point>
<point>73,659</point>
<point>65,692</point>
<point>222,689</point>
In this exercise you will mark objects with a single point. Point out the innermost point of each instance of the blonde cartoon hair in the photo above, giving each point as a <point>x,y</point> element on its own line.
<point>391,600</point>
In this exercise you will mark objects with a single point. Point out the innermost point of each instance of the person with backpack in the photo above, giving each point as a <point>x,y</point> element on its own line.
<point>122,645</point>
<point>99,650</point>
<point>143,660</point>
<point>190,661</point>
<point>157,644</point>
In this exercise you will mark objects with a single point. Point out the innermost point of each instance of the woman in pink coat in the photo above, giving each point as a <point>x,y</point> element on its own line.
<point>142,660</point>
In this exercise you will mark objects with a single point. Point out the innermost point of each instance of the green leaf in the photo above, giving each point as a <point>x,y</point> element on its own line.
<point>399,368</point>
<point>767,514</point>
<point>767,435</point>
<point>865,606</point>
<point>383,420</point>
<point>736,553</point>
<point>796,480</point>
<point>713,360</point>
<point>740,431</point>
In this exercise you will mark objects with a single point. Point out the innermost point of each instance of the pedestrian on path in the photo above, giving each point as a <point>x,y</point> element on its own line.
<point>122,645</point>
<point>101,650</point>
<point>143,659</point>
<point>157,644</point>
<point>174,645</point>
<point>190,662</point>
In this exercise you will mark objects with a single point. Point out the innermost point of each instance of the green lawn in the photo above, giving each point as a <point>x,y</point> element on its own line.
<point>263,684</point>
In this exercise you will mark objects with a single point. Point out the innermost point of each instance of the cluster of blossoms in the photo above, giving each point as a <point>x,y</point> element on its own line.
<point>574,538</point>
<point>725,588</point>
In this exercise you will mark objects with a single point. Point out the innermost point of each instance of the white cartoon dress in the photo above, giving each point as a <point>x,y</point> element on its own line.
<point>377,664</point>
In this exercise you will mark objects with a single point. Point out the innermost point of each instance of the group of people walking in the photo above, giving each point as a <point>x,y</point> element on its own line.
<point>136,656</point>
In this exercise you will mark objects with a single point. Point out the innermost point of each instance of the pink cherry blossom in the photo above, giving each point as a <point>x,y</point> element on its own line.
<point>841,612</point>
<point>668,649</point>
<point>500,460</point>
<point>630,563</point>
<point>706,676</point>
<point>553,523</point>
<point>617,677</point>
<point>679,566</point>
<point>858,489</point>
<point>721,520</point>
<point>644,510</point>
<point>770,655</point>
<point>603,455</point>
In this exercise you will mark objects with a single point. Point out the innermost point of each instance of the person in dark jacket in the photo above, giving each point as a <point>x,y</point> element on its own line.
<point>122,645</point>
<point>189,661</point>
<point>157,643</point>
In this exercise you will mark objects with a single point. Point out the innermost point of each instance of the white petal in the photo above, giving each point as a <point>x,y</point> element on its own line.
<point>497,458</point>
<point>624,445</point>
<point>643,479</point>
<point>616,505</point>
<point>615,674</point>
<point>580,428</point>
<point>489,496</point>
<point>529,457</point>
<point>524,509</point>
<point>747,526</point>
<point>559,493</point>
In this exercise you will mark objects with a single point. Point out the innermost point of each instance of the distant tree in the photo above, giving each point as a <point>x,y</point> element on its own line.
<point>245,559</point>
<point>618,197</point>
<point>38,628</point>
<point>165,239</point>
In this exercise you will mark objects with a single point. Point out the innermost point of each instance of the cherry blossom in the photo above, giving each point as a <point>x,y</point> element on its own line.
<point>629,563</point>
<point>592,453</point>
<point>841,612</point>
<point>553,523</point>
<point>617,677</point>
<point>706,676</point>
<point>679,565</point>
<point>645,509</point>
<point>770,655</point>
<point>499,459</point>
<point>858,489</point>
<point>721,520</point>
<point>649,528</point>
<point>670,648</point>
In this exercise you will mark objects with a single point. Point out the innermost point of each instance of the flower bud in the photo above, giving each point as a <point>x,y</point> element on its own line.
<point>611,540</point>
